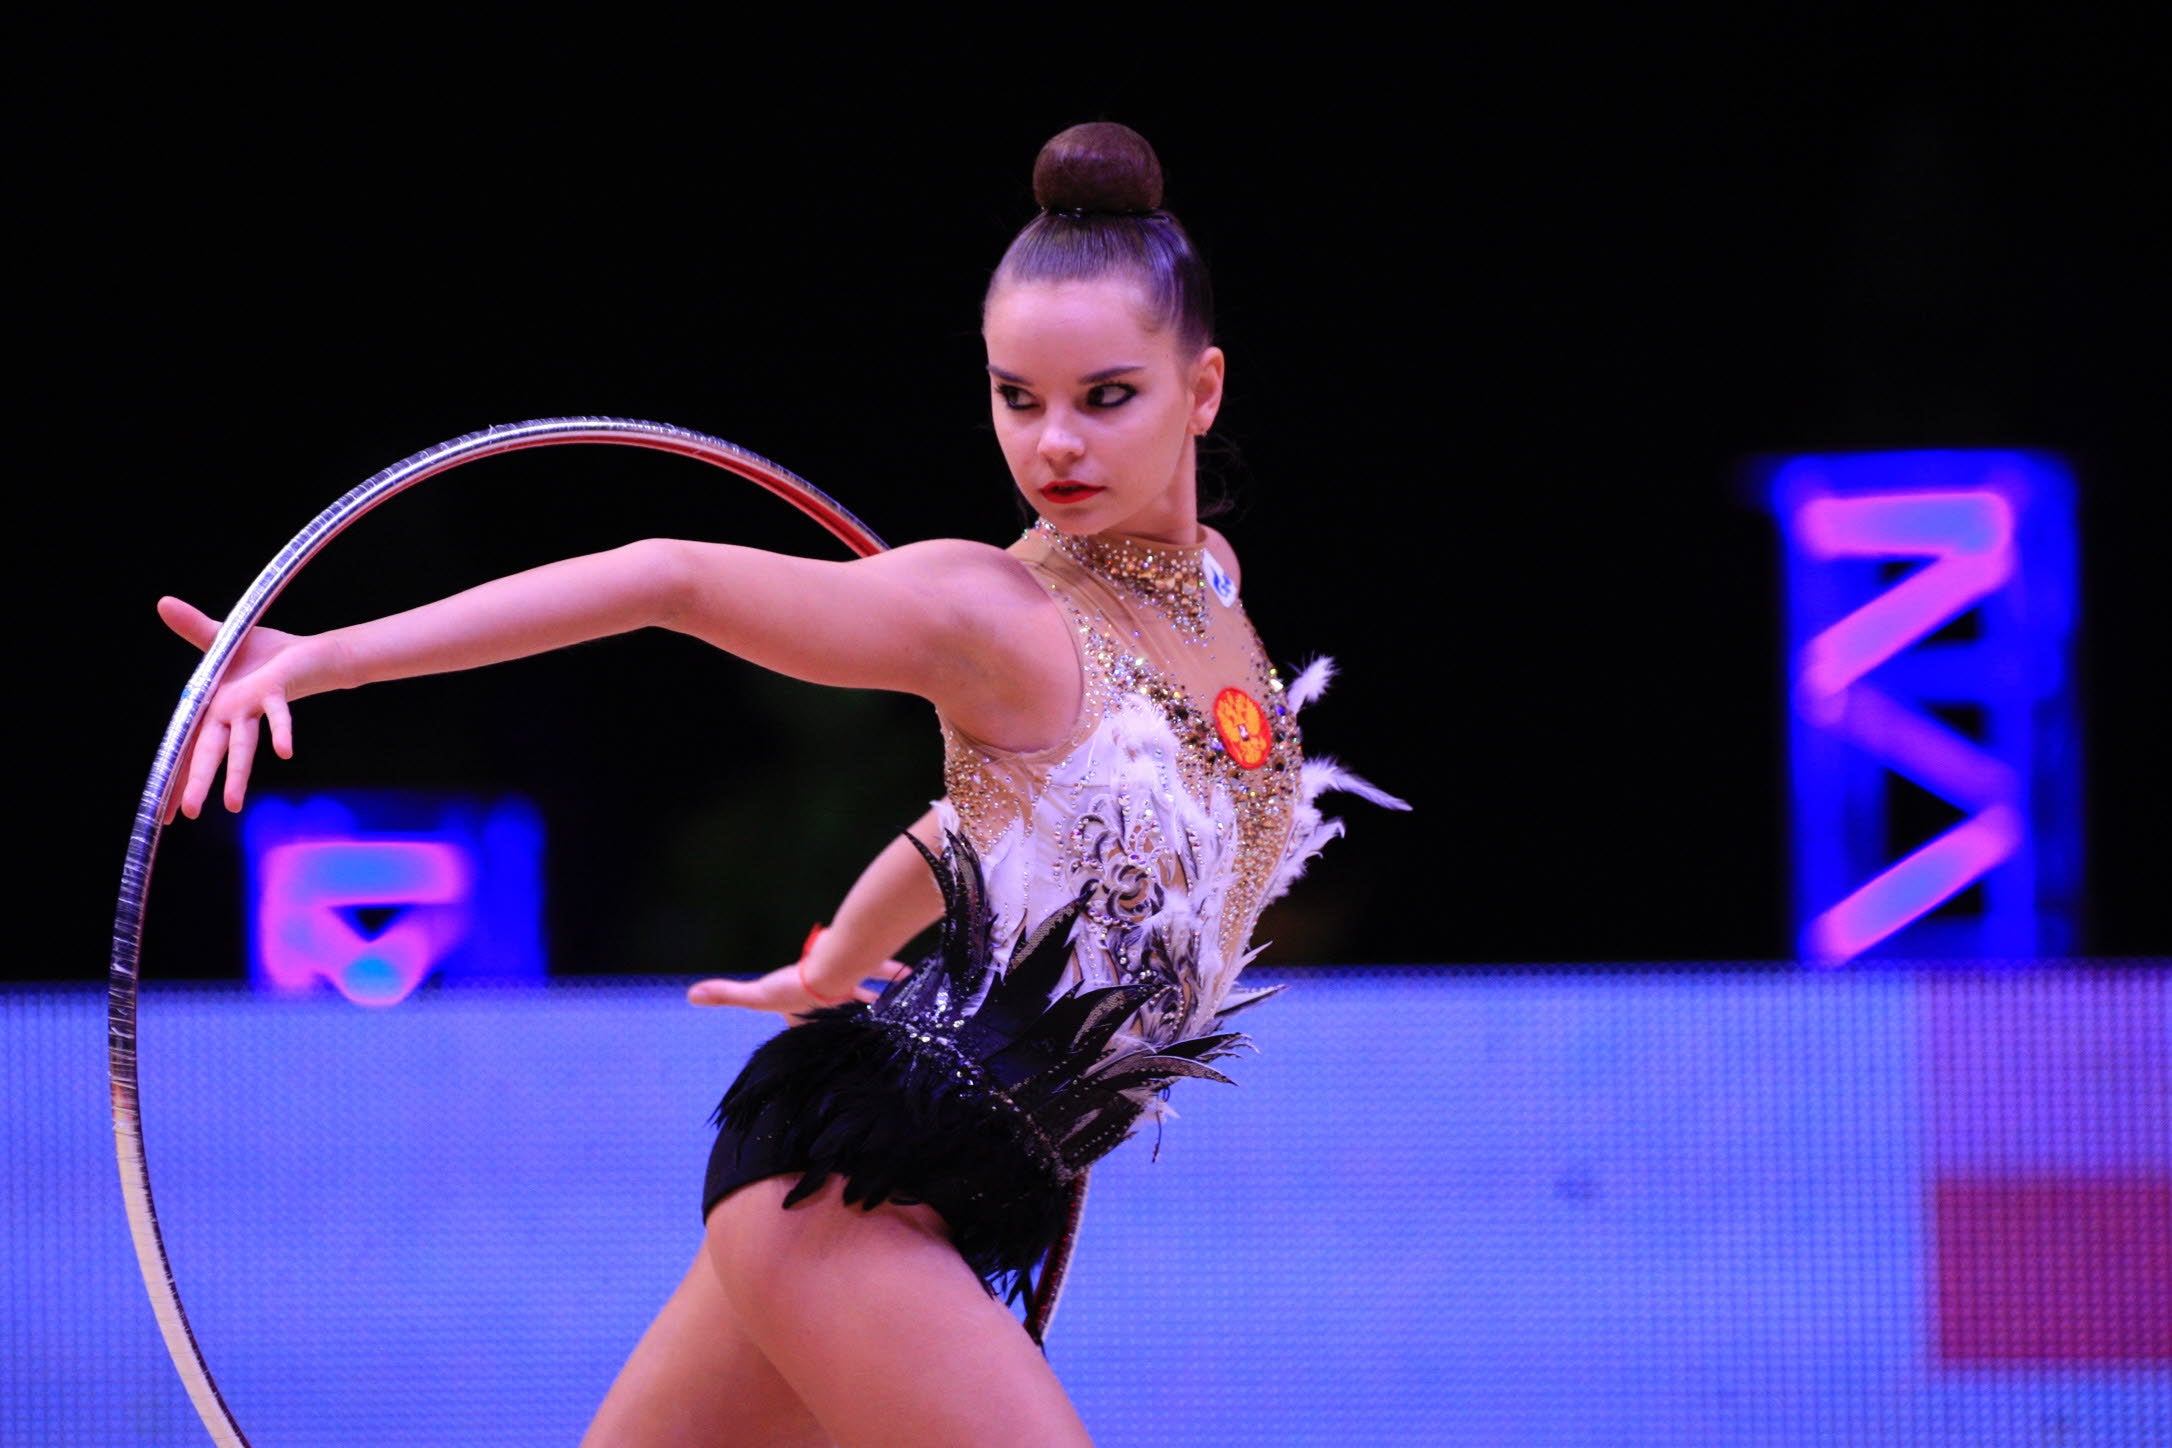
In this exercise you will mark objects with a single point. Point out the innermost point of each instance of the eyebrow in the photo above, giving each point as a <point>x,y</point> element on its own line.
<point>1106,374</point>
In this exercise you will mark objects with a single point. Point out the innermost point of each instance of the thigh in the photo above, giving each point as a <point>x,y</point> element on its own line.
<point>696,1378</point>
<point>879,1327</point>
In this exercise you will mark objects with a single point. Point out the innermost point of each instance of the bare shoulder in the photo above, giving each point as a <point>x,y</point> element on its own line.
<point>962,554</point>
<point>978,575</point>
<point>1009,676</point>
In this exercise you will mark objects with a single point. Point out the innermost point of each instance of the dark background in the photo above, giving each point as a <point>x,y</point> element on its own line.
<point>1509,322</point>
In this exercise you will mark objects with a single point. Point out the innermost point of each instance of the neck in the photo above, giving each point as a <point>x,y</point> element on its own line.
<point>1174,522</point>
<point>1183,533</point>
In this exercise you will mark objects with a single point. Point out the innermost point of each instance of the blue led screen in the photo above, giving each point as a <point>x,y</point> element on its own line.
<point>1645,1208</point>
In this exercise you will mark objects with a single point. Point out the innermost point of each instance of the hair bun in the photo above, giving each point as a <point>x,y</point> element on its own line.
<point>1098,167</point>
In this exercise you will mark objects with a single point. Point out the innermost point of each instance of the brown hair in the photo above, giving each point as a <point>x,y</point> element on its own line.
<point>1100,190</point>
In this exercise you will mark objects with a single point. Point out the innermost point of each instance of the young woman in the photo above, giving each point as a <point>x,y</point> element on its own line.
<point>1124,792</point>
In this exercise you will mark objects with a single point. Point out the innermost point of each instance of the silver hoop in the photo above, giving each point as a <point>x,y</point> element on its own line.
<point>123,975</point>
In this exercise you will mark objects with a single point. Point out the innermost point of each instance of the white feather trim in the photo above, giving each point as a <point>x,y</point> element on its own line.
<point>1322,775</point>
<point>1120,795</point>
<point>1311,683</point>
<point>1309,829</point>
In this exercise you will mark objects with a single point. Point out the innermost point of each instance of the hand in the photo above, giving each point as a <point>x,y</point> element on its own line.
<point>265,674</point>
<point>784,990</point>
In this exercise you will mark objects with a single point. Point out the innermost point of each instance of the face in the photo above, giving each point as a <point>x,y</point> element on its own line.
<point>1097,413</point>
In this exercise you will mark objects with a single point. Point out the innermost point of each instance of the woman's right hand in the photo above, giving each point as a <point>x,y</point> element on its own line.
<point>268,671</point>
<point>792,990</point>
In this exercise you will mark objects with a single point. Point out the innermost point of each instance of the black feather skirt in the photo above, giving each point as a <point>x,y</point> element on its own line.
<point>983,1105</point>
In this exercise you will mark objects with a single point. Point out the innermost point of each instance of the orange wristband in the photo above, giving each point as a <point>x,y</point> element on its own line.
<point>819,998</point>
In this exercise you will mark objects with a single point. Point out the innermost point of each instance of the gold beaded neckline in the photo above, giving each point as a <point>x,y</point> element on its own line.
<point>1167,579</point>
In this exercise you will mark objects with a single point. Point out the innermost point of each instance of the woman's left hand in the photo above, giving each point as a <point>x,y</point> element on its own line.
<point>270,671</point>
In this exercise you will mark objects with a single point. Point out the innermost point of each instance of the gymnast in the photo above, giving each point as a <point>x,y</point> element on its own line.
<point>1124,790</point>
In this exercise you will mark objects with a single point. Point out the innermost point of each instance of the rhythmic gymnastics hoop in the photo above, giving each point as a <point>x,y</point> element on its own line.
<point>124,973</point>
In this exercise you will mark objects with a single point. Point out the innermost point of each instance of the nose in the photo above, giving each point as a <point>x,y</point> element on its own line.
<point>1060,443</point>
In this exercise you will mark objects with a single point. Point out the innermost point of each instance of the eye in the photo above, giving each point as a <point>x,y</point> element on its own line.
<point>1111,394</point>
<point>1016,398</point>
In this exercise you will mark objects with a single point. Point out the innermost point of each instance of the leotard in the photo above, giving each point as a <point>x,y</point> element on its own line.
<point>1099,897</point>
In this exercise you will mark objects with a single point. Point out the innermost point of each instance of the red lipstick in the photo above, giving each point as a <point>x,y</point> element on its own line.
<point>1063,490</point>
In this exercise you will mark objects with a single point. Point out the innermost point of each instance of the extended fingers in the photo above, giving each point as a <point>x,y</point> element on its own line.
<point>718,993</point>
<point>192,623</point>
<point>240,754</point>
<point>888,970</point>
<point>234,745</point>
<point>282,725</point>
<point>203,765</point>
<point>782,989</point>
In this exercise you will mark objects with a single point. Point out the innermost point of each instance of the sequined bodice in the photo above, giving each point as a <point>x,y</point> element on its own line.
<point>1172,807</point>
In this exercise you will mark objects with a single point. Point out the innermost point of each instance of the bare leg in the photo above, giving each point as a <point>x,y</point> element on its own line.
<point>879,1327</point>
<point>695,1380</point>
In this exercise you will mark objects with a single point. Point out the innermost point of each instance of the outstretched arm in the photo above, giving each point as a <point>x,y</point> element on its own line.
<point>894,899</point>
<point>527,613</point>
<point>953,622</point>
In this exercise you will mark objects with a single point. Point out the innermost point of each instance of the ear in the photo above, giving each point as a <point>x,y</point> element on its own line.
<point>1207,375</point>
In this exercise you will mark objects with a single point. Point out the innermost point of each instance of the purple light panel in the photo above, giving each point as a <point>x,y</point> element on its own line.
<point>373,894</point>
<point>321,899</point>
<point>1971,537</point>
<point>1979,627</point>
